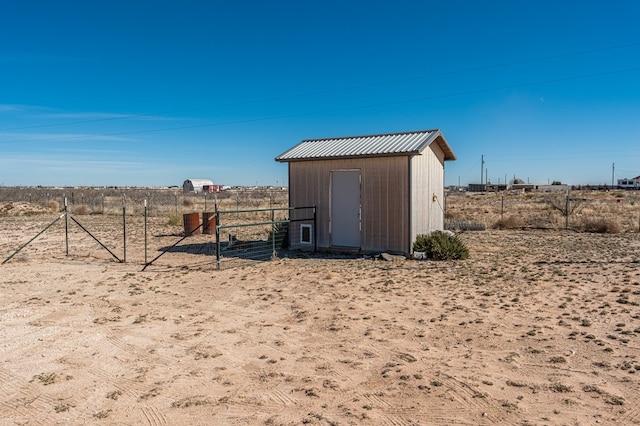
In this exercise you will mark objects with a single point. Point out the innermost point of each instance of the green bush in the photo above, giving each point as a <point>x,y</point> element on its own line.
<point>441,246</point>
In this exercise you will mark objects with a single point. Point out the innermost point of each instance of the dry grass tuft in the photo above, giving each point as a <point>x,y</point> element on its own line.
<point>53,205</point>
<point>600,226</point>
<point>82,209</point>
<point>510,222</point>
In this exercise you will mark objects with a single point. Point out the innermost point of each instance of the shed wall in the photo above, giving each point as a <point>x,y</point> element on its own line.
<point>427,181</point>
<point>384,198</point>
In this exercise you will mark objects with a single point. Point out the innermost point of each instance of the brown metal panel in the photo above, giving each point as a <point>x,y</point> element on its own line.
<point>384,195</point>
<point>385,210</point>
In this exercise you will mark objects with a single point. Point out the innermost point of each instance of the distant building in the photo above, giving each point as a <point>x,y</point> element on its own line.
<point>553,188</point>
<point>477,187</point>
<point>629,183</point>
<point>211,188</point>
<point>196,185</point>
<point>522,187</point>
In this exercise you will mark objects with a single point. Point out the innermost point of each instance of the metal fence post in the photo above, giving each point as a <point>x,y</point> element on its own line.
<point>66,226</point>
<point>217,237</point>
<point>124,228</point>
<point>273,236</point>
<point>145,231</point>
<point>566,211</point>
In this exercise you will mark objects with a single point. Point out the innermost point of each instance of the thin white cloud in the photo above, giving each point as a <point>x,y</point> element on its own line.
<point>39,112</point>
<point>82,115</point>
<point>100,116</point>
<point>75,164</point>
<point>11,107</point>
<point>59,137</point>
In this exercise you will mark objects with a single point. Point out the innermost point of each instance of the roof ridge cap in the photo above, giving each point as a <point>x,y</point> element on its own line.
<point>370,135</point>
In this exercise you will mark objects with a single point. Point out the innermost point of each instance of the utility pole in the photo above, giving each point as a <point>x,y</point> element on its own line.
<point>481,168</point>
<point>613,170</point>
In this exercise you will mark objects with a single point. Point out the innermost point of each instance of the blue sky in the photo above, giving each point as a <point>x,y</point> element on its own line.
<point>149,93</point>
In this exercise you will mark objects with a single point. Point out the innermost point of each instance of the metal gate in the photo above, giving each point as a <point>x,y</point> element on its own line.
<point>247,236</point>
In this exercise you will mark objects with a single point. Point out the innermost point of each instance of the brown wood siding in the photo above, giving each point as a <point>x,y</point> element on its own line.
<point>384,198</point>
<point>427,180</point>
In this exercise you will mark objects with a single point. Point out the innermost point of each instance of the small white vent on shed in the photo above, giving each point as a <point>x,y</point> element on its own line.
<point>305,234</point>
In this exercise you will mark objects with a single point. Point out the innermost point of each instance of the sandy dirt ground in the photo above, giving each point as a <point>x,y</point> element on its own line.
<point>537,327</point>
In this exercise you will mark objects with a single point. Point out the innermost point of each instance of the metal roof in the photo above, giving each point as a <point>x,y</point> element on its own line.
<point>199,182</point>
<point>384,145</point>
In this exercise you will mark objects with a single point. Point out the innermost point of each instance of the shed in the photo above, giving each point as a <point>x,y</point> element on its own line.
<point>195,185</point>
<point>372,193</point>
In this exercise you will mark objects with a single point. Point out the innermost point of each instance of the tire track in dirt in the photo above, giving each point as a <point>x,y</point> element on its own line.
<point>117,342</point>
<point>133,390</point>
<point>123,385</point>
<point>246,402</point>
<point>388,399</point>
<point>285,350</point>
<point>631,416</point>
<point>154,416</point>
<point>281,398</point>
<point>21,399</point>
<point>473,400</point>
<point>243,406</point>
<point>151,414</point>
<point>378,401</point>
<point>136,352</point>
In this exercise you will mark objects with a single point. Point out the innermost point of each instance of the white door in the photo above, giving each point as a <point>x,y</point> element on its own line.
<point>345,208</point>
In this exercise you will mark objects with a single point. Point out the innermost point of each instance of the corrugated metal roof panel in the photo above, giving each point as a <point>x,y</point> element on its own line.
<point>406,143</point>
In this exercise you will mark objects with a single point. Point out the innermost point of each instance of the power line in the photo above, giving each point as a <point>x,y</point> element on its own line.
<point>336,90</point>
<point>563,155</point>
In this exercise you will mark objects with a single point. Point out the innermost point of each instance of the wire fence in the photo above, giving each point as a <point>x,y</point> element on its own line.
<point>160,202</point>
<point>256,224</point>
<point>585,211</point>
<point>255,235</point>
<point>230,238</point>
<point>95,219</point>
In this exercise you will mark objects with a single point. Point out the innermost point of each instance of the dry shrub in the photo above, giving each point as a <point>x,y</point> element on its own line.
<point>601,226</point>
<point>53,205</point>
<point>82,209</point>
<point>510,222</point>
<point>175,219</point>
<point>542,221</point>
<point>451,215</point>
